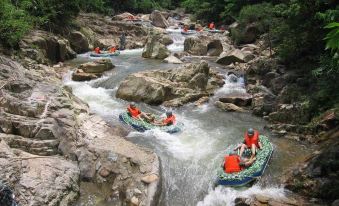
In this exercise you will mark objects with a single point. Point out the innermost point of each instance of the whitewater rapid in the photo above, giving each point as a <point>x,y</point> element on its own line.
<point>189,159</point>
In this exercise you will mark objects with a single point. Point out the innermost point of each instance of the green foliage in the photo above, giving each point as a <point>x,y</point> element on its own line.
<point>14,23</point>
<point>332,38</point>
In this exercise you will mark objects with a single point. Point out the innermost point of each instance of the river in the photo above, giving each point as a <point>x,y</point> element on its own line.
<point>189,159</point>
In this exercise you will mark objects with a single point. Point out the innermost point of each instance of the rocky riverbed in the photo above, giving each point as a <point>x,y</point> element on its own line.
<point>50,141</point>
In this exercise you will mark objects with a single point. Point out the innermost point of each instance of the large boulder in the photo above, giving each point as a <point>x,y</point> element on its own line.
<point>239,100</point>
<point>154,48</point>
<point>92,70</point>
<point>203,45</point>
<point>46,47</point>
<point>173,60</point>
<point>228,107</point>
<point>317,177</point>
<point>49,142</point>
<point>97,66</point>
<point>185,84</point>
<point>230,57</point>
<point>79,42</point>
<point>158,19</point>
<point>105,32</point>
<point>291,113</point>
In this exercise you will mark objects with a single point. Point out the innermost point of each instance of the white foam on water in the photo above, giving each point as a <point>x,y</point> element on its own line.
<point>232,86</point>
<point>225,196</point>
<point>99,99</point>
<point>132,51</point>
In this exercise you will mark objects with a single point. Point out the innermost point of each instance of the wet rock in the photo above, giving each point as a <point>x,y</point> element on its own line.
<point>149,178</point>
<point>201,101</point>
<point>228,107</point>
<point>166,40</point>
<point>231,57</point>
<point>203,45</point>
<point>92,70</point>
<point>98,66</point>
<point>155,49</point>
<point>158,19</point>
<point>173,60</point>
<point>80,75</point>
<point>176,87</point>
<point>241,201</point>
<point>263,103</point>
<point>239,100</point>
<point>79,42</point>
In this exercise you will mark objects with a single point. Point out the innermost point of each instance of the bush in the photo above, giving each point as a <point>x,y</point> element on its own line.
<point>14,23</point>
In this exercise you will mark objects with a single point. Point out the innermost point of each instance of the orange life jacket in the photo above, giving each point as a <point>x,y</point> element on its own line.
<point>211,26</point>
<point>112,50</point>
<point>133,112</point>
<point>232,164</point>
<point>169,120</point>
<point>185,29</point>
<point>252,140</point>
<point>97,50</point>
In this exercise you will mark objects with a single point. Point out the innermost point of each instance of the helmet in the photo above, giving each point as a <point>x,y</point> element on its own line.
<point>168,113</point>
<point>250,132</point>
<point>132,104</point>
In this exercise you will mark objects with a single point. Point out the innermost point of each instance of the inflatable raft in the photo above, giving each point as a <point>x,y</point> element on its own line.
<point>142,126</point>
<point>216,31</point>
<point>189,32</point>
<point>104,54</point>
<point>251,173</point>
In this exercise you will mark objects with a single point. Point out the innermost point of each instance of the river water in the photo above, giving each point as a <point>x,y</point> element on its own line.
<point>189,159</point>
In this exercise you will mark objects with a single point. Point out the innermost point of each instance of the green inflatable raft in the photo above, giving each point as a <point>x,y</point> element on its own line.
<point>142,126</point>
<point>251,173</point>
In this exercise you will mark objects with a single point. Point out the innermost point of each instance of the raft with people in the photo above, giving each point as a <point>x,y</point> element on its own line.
<point>143,125</point>
<point>252,172</point>
<point>188,32</point>
<point>105,54</point>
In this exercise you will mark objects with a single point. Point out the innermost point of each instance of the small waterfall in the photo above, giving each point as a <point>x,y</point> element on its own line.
<point>233,86</point>
<point>178,40</point>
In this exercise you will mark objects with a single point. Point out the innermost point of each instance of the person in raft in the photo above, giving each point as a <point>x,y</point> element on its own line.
<point>211,26</point>
<point>112,49</point>
<point>233,163</point>
<point>134,112</point>
<point>169,120</point>
<point>185,28</point>
<point>251,141</point>
<point>97,50</point>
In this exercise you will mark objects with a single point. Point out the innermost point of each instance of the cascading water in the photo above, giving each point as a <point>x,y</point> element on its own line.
<point>191,158</point>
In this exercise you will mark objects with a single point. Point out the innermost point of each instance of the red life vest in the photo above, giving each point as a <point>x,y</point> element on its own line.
<point>112,50</point>
<point>133,112</point>
<point>211,26</point>
<point>169,120</point>
<point>232,164</point>
<point>97,50</point>
<point>252,140</point>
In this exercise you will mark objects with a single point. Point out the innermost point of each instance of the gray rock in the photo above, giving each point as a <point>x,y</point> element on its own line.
<point>155,49</point>
<point>228,107</point>
<point>181,85</point>
<point>158,19</point>
<point>173,60</point>
<point>79,42</point>
<point>203,45</point>
<point>231,57</point>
